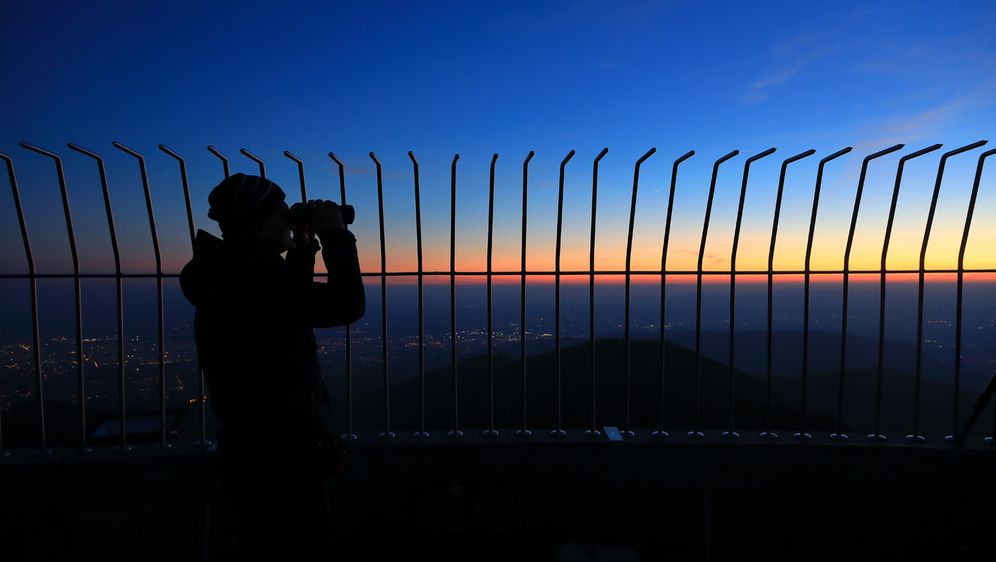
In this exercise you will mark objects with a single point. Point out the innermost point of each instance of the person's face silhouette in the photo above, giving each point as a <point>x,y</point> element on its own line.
<point>274,232</point>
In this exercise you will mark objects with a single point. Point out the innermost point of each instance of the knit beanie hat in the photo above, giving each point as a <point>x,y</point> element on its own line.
<point>242,200</point>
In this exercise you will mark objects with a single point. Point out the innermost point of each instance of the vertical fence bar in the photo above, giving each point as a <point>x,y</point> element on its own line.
<point>559,429</point>
<point>257,160</point>
<point>350,434</point>
<point>959,309</point>
<point>220,156</point>
<point>593,430</point>
<point>524,430</point>
<point>119,287</point>
<point>159,289</point>
<point>304,199</point>
<point>659,432</point>
<point>202,396</point>
<point>387,433</point>
<point>627,429</point>
<point>806,283</point>
<point>32,274</point>
<point>696,432</point>
<point>455,432</point>
<point>770,433</point>
<point>421,433</point>
<point>839,434</point>
<point>732,433</point>
<point>300,174</point>
<point>877,434</point>
<point>491,431</point>
<point>915,436</point>
<point>77,293</point>
<point>303,186</point>
<point>186,190</point>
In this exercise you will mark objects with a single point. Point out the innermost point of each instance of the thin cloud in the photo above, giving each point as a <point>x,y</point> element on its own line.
<point>795,55</point>
<point>758,91</point>
<point>929,122</point>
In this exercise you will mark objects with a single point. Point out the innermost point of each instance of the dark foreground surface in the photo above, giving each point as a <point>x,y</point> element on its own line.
<point>549,499</point>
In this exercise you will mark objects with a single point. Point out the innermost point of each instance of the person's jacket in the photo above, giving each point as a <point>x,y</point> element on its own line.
<point>254,327</point>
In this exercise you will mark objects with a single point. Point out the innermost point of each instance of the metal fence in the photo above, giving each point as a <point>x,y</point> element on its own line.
<point>524,430</point>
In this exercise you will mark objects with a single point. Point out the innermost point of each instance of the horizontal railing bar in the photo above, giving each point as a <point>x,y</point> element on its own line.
<point>532,273</point>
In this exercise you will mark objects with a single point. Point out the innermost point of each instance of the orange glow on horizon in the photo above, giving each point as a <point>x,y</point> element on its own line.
<point>714,279</point>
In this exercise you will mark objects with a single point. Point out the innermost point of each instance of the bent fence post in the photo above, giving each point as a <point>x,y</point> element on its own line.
<point>350,434</point>
<point>220,156</point>
<point>877,434</point>
<point>839,434</point>
<point>300,174</point>
<point>731,433</point>
<point>421,433</point>
<point>593,430</point>
<point>959,308</point>
<point>77,293</point>
<point>491,431</point>
<point>119,287</point>
<point>202,396</point>
<point>558,430</point>
<point>33,283</point>
<point>696,432</point>
<point>159,288</point>
<point>915,436</point>
<point>771,269</point>
<point>455,432</point>
<point>627,429</point>
<point>524,430</point>
<point>257,160</point>
<point>387,433</point>
<point>659,432</point>
<point>806,282</point>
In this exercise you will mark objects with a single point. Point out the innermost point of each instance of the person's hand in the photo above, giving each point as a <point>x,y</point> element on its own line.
<point>324,214</point>
<point>302,237</point>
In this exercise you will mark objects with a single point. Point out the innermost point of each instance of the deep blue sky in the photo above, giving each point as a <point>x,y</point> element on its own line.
<point>477,78</point>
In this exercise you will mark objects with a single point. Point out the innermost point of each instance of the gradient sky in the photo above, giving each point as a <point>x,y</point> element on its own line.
<point>477,78</point>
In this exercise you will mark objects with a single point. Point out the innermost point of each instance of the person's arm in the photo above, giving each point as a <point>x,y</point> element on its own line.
<point>344,300</point>
<point>339,301</point>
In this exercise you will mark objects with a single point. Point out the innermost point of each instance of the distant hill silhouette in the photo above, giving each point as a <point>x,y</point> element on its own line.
<point>679,391</point>
<point>21,430</point>
<point>679,388</point>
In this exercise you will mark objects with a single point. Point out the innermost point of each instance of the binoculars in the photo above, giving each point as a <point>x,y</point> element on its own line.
<point>299,215</point>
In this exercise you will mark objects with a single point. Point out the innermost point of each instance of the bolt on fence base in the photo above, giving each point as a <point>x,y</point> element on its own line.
<point>349,436</point>
<point>421,434</point>
<point>660,434</point>
<point>455,433</point>
<point>768,435</point>
<point>523,433</point>
<point>876,437</point>
<point>695,435</point>
<point>838,436</point>
<point>915,438</point>
<point>729,435</point>
<point>802,435</point>
<point>490,433</point>
<point>387,435</point>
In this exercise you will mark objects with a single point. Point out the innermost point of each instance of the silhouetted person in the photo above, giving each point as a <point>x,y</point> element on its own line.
<point>254,326</point>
